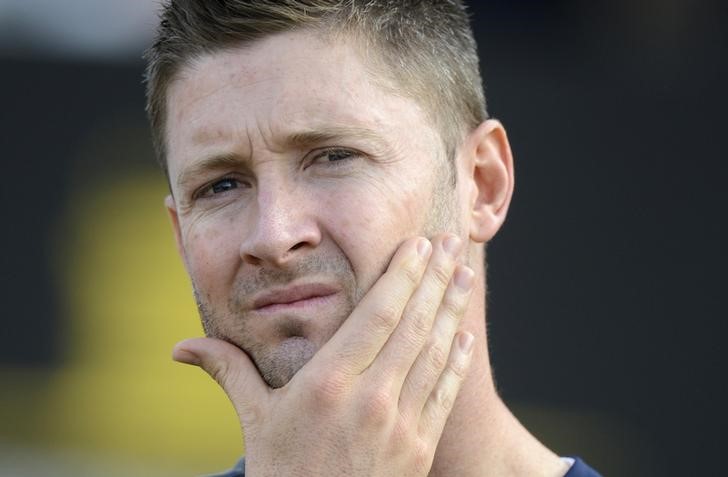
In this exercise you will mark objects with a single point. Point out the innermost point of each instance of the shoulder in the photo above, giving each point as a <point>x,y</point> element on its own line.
<point>580,469</point>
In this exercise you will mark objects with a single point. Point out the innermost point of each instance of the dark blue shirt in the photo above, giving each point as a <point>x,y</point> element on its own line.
<point>579,469</point>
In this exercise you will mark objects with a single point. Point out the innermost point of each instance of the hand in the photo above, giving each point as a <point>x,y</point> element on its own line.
<point>374,399</point>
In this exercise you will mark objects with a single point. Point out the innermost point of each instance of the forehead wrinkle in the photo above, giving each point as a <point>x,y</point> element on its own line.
<point>192,78</point>
<point>210,133</point>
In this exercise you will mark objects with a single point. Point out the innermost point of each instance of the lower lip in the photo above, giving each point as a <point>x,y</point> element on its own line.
<point>298,305</point>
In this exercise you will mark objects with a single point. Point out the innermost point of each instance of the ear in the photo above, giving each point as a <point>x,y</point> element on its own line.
<point>491,179</point>
<point>172,211</point>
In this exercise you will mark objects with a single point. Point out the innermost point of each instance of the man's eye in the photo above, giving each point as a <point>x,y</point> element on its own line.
<point>223,185</point>
<point>338,155</point>
<point>219,187</point>
<point>334,155</point>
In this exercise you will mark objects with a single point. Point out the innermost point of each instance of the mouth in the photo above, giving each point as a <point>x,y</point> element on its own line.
<point>295,297</point>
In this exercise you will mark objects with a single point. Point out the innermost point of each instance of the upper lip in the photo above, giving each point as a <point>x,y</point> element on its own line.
<point>292,294</point>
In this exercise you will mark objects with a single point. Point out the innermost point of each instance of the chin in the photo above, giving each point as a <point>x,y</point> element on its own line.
<point>278,366</point>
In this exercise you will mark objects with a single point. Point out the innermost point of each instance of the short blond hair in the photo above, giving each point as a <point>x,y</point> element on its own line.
<point>423,49</point>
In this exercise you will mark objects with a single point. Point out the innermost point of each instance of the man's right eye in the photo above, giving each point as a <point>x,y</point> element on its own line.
<point>224,185</point>
<point>219,187</point>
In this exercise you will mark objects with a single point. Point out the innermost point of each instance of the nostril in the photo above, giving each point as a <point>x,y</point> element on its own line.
<point>297,246</point>
<point>277,243</point>
<point>251,259</point>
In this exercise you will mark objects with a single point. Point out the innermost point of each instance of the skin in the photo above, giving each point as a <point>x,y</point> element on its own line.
<point>336,297</point>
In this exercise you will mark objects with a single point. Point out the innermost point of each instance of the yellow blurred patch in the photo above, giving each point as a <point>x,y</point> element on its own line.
<point>128,300</point>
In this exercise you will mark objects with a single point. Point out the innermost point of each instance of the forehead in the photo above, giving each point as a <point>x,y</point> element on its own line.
<point>276,87</point>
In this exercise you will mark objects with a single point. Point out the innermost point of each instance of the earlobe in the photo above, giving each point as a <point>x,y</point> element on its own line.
<point>492,179</point>
<point>174,218</point>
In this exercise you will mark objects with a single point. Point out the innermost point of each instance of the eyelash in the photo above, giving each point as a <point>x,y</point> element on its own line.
<point>348,155</point>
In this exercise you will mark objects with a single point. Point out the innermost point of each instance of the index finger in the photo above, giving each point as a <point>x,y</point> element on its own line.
<point>357,343</point>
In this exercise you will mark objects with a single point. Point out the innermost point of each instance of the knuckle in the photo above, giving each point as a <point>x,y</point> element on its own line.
<point>444,399</point>
<point>459,368</point>
<point>219,371</point>
<point>453,307</point>
<point>436,355</point>
<point>411,273</point>
<point>419,316</point>
<point>441,275</point>
<point>327,389</point>
<point>377,406</point>
<point>385,317</point>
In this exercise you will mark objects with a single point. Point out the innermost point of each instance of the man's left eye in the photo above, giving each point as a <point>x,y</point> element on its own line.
<point>334,155</point>
<point>338,155</point>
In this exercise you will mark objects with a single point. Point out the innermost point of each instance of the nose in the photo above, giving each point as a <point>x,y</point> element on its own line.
<point>282,227</point>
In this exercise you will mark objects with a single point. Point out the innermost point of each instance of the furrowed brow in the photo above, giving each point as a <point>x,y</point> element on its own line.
<point>318,136</point>
<point>301,139</point>
<point>212,163</point>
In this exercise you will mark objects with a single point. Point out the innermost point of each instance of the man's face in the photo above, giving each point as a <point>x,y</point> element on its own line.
<point>295,178</point>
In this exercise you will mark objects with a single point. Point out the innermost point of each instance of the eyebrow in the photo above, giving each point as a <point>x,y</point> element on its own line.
<point>300,139</point>
<point>318,136</point>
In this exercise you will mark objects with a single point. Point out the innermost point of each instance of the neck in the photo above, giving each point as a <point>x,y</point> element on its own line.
<point>482,438</point>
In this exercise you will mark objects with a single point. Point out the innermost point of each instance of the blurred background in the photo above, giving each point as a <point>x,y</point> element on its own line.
<point>606,284</point>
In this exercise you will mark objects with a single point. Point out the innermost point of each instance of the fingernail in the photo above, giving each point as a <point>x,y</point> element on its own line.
<point>465,340</point>
<point>464,277</point>
<point>423,247</point>
<point>451,244</point>
<point>184,356</point>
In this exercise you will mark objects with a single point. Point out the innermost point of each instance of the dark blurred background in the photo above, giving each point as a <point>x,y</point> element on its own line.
<point>606,316</point>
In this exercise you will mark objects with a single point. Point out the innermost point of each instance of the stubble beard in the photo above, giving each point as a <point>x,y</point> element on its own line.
<point>278,363</point>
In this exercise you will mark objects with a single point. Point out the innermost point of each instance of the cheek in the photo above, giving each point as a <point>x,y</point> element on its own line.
<point>369,224</point>
<point>211,255</point>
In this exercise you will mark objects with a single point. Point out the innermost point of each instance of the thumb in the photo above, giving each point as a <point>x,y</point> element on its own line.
<point>231,368</point>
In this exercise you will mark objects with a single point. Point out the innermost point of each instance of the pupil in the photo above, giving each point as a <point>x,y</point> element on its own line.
<point>338,155</point>
<point>223,185</point>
